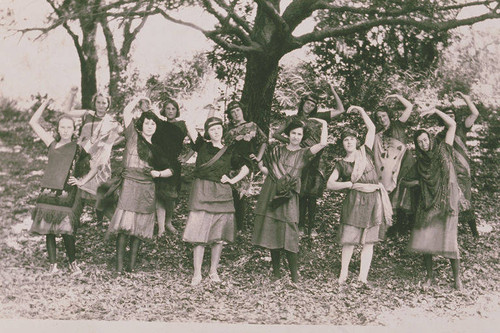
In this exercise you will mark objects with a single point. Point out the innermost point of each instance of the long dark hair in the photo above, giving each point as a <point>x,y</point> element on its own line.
<point>144,148</point>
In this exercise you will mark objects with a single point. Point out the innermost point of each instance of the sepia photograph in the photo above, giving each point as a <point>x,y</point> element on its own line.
<point>249,165</point>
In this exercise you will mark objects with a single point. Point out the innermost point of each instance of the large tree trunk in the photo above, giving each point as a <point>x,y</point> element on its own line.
<point>258,90</point>
<point>88,69</point>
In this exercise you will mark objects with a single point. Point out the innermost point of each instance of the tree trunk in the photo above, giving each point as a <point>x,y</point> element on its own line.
<point>258,90</point>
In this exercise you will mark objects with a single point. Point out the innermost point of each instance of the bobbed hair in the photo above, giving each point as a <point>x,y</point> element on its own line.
<point>146,115</point>
<point>57,136</point>
<point>308,97</point>
<point>295,123</point>
<point>101,94</point>
<point>168,101</point>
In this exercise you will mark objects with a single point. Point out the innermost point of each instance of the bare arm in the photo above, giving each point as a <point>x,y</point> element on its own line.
<point>162,174</point>
<point>340,107</point>
<point>262,168</point>
<point>334,184</point>
<point>449,123</point>
<point>474,113</point>
<point>370,134</point>
<point>408,107</point>
<point>262,149</point>
<point>45,136</point>
<point>68,105</point>
<point>128,114</point>
<point>324,137</point>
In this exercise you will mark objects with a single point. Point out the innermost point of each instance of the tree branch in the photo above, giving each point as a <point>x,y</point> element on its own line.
<point>426,25</point>
<point>273,14</point>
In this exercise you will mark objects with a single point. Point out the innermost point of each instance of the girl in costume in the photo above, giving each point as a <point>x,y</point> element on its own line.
<point>395,162</point>
<point>277,212</point>
<point>313,178</point>
<point>135,214</point>
<point>250,141</point>
<point>99,131</point>
<point>58,207</point>
<point>435,229</point>
<point>211,217</point>
<point>366,206</point>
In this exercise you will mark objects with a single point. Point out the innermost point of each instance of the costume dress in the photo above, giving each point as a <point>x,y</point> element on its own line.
<point>435,230</point>
<point>211,208</point>
<point>58,206</point>
<point>277,211</point>
<point>97,136</point>
<point>362,213</point>
<point>135,213</point>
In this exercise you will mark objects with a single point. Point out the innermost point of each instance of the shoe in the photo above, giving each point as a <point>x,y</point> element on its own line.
<point>196,280</point>
<point>214,277</point>
<point>53,269</point>
<point>74,268</point>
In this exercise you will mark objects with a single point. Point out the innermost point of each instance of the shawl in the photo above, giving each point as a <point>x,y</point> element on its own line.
<point>434,169</point>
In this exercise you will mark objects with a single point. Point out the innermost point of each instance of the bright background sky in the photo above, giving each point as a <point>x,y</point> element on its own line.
<point>50,65</point>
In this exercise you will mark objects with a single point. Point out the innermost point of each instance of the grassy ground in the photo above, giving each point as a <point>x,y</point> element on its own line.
<point>160,290</point>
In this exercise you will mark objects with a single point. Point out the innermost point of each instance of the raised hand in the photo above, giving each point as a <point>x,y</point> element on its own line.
<point>354,108</point>
<point>225,179</point>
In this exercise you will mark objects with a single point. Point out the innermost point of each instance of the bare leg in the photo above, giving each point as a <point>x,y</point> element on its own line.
<point>214,261</point>
<point>346,259</point>
<point>134,250</point>
<point>169,213</point>
<point>366,261</point>
<point>198,253</point>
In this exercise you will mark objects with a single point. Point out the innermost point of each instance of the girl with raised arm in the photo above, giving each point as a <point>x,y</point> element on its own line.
<point>58,206</point>
<point>277,211</point>
<point>394,161</point>
<point>435,229</point>
<point>211,217</point>
<point>313,177</point>
<point>250,141</point>
<point>366,206</point>
<point>462,160</point>
<point>135,214</point>
<point>99,131</point>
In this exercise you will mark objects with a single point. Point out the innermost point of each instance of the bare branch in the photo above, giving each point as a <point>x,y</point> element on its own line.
<point>426,25</point>
<point>230,10</point>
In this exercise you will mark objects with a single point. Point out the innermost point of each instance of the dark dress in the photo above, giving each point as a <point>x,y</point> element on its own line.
<point>58,206</point>
<point>436,224</point>
<point>362,213</point>
<point>276,227</point>
<point>211,216</point>
<point>313,176</point>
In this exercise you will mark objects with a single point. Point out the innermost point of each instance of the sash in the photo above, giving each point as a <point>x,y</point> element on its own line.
<point>214,159</point>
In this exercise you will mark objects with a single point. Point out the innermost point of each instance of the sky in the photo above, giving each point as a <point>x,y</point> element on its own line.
<point>50,65</point>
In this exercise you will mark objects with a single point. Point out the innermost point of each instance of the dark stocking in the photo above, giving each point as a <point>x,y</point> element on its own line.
<point>293,265</point>
<point>99,215</point>
<point>134,250</point>
<point>468,215</point>
<point>240,206</point>
<point>311,207</point>
<point>302,212</point>
<point>275,260</point>
<point>69,245</point>
<point>121,243</point>
<point>428,267</point>
<point>50,241</point>
<point>455,267</point>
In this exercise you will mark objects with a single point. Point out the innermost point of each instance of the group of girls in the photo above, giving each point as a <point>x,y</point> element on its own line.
<point>378,175</point>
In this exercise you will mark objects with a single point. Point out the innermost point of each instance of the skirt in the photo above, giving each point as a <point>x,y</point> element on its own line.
<point>132,223</point>
<point>211,216</point>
